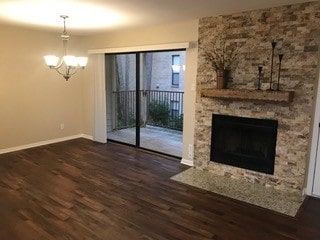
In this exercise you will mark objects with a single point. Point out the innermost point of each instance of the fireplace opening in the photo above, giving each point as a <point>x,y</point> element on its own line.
<point>247,143</point>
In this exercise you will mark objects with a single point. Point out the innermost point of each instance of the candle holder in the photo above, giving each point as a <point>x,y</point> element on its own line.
<point>280,59</point>
<point>259,79</point>
<point>273,44</point>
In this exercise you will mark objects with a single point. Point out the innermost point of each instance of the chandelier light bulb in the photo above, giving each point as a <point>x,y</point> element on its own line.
<point>51,60</point>
<point>82,61</point>
<point>70,61</point>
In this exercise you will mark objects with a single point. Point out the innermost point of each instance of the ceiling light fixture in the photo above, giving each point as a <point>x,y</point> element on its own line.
<point>70,64</point>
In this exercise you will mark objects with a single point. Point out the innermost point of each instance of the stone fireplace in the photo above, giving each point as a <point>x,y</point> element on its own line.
<point>295,29</point>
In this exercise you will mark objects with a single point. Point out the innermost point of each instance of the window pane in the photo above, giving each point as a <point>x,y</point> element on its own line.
<point>175,78</point>
<point>176,60</point>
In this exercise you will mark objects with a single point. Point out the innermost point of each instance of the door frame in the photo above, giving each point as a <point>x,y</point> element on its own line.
<point>313,179</point>
<point>187,151</point>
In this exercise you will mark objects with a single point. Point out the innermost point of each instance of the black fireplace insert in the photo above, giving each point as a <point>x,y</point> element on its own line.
<point>247,143</point>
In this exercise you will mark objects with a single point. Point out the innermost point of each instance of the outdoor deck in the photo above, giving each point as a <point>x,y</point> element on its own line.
<point>158,139</point>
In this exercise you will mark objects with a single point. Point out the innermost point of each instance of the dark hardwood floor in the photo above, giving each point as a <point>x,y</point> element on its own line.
<point>84,190</point>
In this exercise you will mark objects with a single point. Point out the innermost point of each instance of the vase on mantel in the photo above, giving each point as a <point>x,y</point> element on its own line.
<point>222,78</point>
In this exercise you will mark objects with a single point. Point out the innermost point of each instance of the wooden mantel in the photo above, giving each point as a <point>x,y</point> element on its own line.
<point>247,94</point>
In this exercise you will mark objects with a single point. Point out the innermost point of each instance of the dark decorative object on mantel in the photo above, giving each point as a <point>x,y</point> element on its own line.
<point>259,79</point>
<point>280,59</point>
<point>273,44</point>
<point>222,78</point>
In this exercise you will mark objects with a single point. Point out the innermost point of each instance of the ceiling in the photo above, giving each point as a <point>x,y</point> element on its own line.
<point>93,16</point>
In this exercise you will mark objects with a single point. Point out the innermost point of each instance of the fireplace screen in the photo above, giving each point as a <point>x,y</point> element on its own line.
<point>247,143</point>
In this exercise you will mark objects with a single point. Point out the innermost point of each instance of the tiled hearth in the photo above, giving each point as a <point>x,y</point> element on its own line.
<point>294,28</point>
<point>256,194</point>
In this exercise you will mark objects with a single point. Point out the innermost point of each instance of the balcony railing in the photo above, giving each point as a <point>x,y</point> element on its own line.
<point>158,108</point>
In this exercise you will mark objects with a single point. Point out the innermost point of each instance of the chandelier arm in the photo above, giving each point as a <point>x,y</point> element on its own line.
<point>58,66</point>
<point>58,71</point>
<point>68,71</point>
<point>75,70</point>
<point>65,74</point>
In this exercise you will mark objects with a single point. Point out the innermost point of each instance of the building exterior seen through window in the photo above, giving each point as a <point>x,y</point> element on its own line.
<point>161,89</point>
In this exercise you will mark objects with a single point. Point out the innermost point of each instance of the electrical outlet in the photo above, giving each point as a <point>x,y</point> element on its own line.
<point>61,126</point>
<point>190,151</point>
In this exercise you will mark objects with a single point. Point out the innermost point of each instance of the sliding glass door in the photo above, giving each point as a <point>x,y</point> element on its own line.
<point>145,100</point>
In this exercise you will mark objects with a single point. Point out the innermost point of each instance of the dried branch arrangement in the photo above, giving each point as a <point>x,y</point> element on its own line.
<point>220,52</point>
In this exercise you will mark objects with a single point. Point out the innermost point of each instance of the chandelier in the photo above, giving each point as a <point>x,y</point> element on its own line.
<point>68,65</point>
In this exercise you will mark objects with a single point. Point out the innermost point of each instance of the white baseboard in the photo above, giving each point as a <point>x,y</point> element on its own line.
<point>87,136</point>
<point>187,162</point>
<point>37,144</point>
<point>304,192</point>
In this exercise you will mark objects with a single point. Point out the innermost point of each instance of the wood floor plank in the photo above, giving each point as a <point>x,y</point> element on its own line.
<point>84,190</point>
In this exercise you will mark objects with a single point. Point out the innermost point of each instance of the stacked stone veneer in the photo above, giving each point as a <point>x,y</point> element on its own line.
<point>295,28</point>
